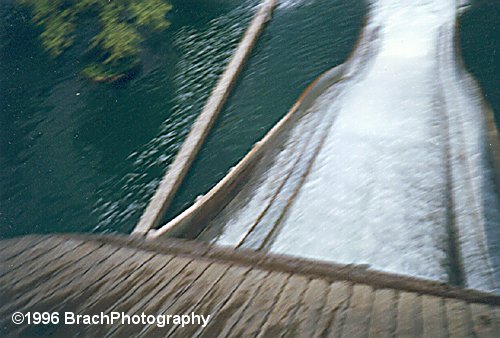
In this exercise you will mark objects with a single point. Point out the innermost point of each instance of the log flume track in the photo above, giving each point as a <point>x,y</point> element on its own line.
<point>383,161</point>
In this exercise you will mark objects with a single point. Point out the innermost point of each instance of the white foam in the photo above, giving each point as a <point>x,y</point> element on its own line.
<point>286,4</point>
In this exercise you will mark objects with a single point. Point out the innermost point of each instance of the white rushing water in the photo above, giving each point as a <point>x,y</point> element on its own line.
<point>388,168</point>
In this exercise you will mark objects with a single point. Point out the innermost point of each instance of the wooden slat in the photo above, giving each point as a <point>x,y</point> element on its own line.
<point>384,314</point>
<point>161,301</point>
<point>458,317</point>
<point>77,291</point>
<point>66,284</point>
<point>118,282</point>
<point>199,289</point>
<point>12,248</point>
<point>330,323</point>
<point>230,312</point>
<point>359,312</point>
<point>310,310</point>
<point>54,270</point>
<point>278,321</point>
<point>68,278</point>
<point>12,244</point>
<point>177,287</point>
<point>215,298</point>
<point>260,306</point>
<point>409,318</point>
<point>164,288</point>
<point>29,259</point>
<point>189,299</point>
<point>153,276</point>
<point>433,314</point>
<point>141,290</point>
<point>243,299</point>
<point>89,283</point>
<point>80,289</point>
<point>148,293</point>
<point>97,272</point>
<point>483,321</point>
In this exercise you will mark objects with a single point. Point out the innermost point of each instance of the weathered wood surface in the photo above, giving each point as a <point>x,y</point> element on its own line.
<point>246,293</point>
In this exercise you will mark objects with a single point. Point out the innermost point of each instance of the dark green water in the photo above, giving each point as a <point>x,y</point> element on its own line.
<point>78,156</point>
<point>81,157</point>
<point>480,42</point>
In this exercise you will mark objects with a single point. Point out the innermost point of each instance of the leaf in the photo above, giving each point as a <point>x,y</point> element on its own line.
<point>119,39</point>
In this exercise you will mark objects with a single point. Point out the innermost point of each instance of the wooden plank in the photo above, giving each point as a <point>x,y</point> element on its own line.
<point>80,289</point>
<point>177,286</point>
<point>46,250</point>
<point>161,297</point>
<point>458,317</point>
<point>434,319</point>
<point>188,300</point>
<point>409,317</point>
<point>47,269</point>
<point>66,278</point>
<point>138,268</point>
<point>117,283</point>
<point>334,311</point>
<point>224,319</point>
<point>483,321</point>
<point>42,285</point>
<point>10,243</point>
<point>146,290</point>
<point>261,305</point>
<point>136,292</point>
<point>153,276</point>
<point>199,289</point>
<point>384,314</point>
<point>358,318</point>
<point>106,277</point>
<point>278,321</point>
<point>213,301</point>
<point>310,310</point>
<point>11,248</point>
<point>69,297</point>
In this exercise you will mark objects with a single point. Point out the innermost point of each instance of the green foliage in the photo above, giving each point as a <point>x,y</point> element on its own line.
<point>116,45</point>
